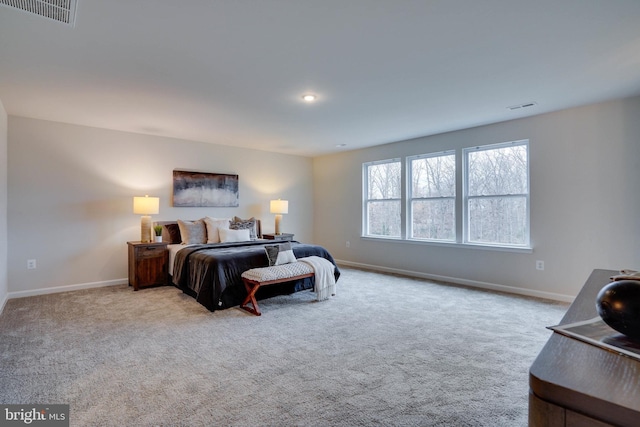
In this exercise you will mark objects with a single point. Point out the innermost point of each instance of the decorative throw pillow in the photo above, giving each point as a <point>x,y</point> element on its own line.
<point>172,234</point>
<point>213,224</point>
<point>280,254</point>
<point>244,224</point>
<point>192,231</point>
<point>229,235</point>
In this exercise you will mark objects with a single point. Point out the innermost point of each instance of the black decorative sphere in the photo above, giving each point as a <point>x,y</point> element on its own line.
<point>618,303</point>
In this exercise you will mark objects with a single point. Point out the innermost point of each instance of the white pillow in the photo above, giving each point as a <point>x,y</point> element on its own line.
<point>192,231</point>
<point>213,224</point>
<point>280,254</point>
<point>239,224</point>
<point>227,235</point>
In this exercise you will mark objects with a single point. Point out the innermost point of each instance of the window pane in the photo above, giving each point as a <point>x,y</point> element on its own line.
<point>384,181</point>
<point>498,171</point>
<point>433,176</point>
<point>384,218</point>
<point>433,219</point>
<point>498,220</point>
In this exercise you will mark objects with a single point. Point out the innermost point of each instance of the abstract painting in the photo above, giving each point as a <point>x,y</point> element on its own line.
<point>204,189</point>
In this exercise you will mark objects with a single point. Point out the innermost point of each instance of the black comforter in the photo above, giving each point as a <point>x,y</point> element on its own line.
<point>211,273</point>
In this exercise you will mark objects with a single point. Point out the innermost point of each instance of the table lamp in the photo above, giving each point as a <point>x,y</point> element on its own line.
<point>146,206</point>
<point>279,207</point>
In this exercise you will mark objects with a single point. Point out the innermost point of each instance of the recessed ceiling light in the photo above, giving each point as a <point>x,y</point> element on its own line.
<point>309,98</point>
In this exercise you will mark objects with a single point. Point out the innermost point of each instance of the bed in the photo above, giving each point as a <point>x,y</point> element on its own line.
<point>211,272</point>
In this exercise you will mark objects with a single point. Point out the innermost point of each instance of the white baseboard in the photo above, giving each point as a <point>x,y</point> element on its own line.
<point>66,288</point>
<point>464,282</point>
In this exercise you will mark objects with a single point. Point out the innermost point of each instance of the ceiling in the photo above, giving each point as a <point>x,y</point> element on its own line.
<point>233,72</point>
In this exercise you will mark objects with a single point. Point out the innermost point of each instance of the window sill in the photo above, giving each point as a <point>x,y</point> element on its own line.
<point>514,249</point>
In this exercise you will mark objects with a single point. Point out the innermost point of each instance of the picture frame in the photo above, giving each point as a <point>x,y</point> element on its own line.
<point>204,189</point>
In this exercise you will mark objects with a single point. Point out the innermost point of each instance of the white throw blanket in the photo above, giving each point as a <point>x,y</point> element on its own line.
<point>325,279</point>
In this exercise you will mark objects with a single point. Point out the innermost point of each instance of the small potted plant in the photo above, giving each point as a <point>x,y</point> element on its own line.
<point>158,230</point>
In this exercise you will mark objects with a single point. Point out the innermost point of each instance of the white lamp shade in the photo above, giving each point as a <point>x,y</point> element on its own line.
<point>279,206</point>
<point>146,205</point>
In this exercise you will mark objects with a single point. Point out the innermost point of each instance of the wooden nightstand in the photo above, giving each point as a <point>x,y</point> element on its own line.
<point>148,264</point>
<point>282,237</point>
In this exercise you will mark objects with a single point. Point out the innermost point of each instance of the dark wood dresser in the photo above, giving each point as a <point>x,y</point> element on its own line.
<point>573,383</point>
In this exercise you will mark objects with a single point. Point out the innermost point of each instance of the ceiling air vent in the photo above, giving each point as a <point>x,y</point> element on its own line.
<point>58,10</point>
<point>519,106</point>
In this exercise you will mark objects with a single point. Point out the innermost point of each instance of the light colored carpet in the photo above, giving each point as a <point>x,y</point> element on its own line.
<point>387,351</point>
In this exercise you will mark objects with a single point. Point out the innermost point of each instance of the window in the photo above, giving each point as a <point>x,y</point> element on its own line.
<point>383,196</point>
<point>497,194</point>
<point>432,196</point>
<point>477,195</point>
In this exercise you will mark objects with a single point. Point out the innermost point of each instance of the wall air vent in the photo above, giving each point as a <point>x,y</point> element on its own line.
<point>58,10</point>
<point>519,106</point>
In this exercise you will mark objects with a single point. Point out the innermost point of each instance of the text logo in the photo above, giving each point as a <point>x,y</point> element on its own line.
<point>34,415</point>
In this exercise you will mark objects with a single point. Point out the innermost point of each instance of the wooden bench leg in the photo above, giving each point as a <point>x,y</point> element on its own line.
<point>252,288</point>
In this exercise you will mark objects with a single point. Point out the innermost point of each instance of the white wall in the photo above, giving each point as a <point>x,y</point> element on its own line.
<point>70,192</point>
<point>71,188</point>
<point>4,286</point>
<point>585,203</point>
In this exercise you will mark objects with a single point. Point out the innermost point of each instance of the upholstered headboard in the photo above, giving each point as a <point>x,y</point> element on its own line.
<point>171,231</point>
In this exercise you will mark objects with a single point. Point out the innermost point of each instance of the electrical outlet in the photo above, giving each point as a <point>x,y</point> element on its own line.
<point>348,244</point>
<point>31,264</point>
<point>539,265</point>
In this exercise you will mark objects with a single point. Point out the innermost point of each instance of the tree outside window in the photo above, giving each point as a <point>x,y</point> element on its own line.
<point>497,186</point>
<point>383,200</point>
<point>433,196</point>
<point>494,206</point>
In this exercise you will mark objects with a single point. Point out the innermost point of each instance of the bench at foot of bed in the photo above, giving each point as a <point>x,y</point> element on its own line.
<point>264,276</point>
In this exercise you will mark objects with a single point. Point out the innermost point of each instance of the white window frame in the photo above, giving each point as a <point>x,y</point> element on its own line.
<point>366,200</point>
<point>411,199</point>
<point>462,198</point>
<point>467,198</point>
